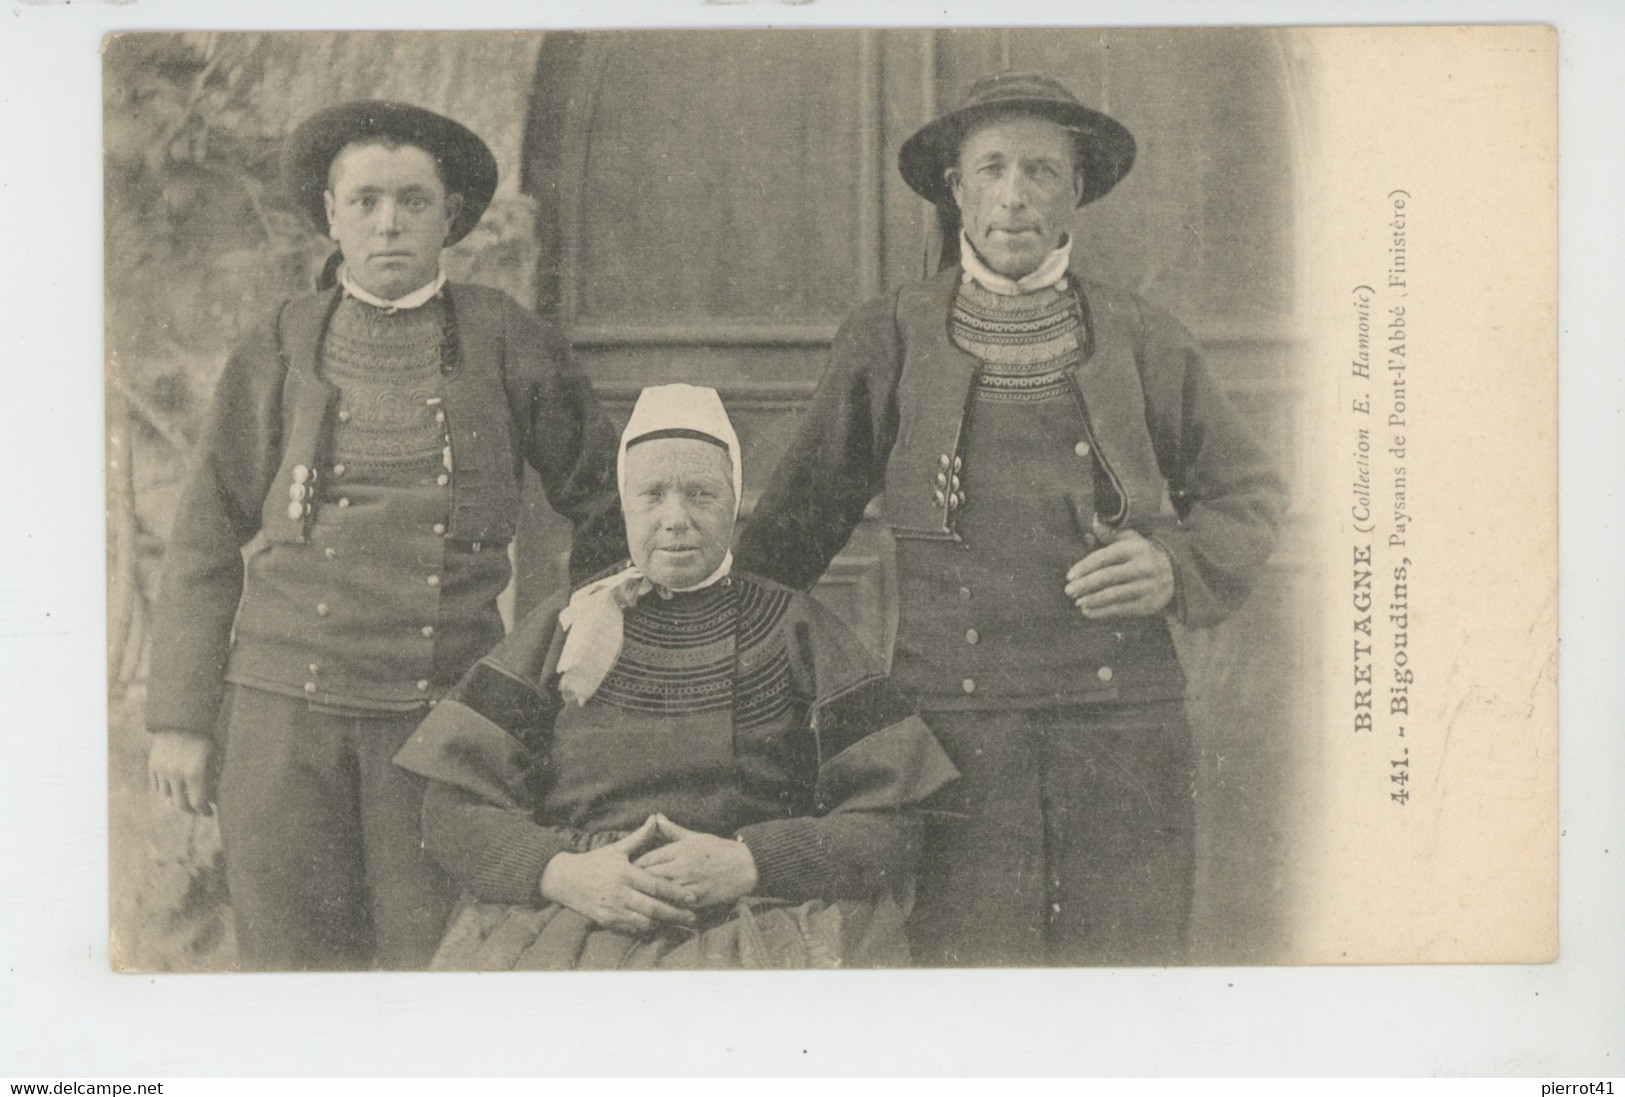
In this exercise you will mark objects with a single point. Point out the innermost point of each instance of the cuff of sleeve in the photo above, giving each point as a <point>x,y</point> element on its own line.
<point>1179,556</point>
<point>791,861</point>
<point>511,869</point>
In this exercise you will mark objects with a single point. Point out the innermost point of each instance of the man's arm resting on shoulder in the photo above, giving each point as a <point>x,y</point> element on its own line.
<point>566,438</point>
<point>837,461</point>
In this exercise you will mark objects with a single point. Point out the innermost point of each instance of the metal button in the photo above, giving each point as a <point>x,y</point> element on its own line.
<point>953,502</point>
<point>961,497</point>
<point>1104,674</point>
<point>442,479</point>
<point>939,498</point>
<point>958,464</point>
<point>1060,283</point>
<point>297,492</point>
<point>329,552</point>
<point>338,469</point>
<point>942,479</point>
<point>344,501</point>
<point>427,630</point>
<point>439,528</point>
<point>440,417</point>
<point>344,416</point>
<point>972,636</point>
<point>968,685</point>
<point>433,580</point>
<point>296,511</point>
<point>1081,449</point>
<point>944,461</point>
<point>964,594</point>
<point>310,687</point>
<point>321,609</point>
<point>300,474</point>
<point>423,685</point>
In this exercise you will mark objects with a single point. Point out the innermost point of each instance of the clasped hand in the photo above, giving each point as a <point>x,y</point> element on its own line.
<point>661,872</point>
<point>1128,576</point>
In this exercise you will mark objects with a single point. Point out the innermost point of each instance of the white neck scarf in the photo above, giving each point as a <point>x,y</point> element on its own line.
<point>1049,272</point>
<point>416,299</point>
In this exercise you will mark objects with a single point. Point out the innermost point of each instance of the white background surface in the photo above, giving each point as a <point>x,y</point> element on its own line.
<point>63,1014</point>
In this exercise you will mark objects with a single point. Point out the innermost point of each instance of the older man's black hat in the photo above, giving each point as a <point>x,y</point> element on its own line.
<point>466,164</point>
<point>1105,149</point>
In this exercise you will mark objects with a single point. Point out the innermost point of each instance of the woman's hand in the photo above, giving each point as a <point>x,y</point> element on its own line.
<point>607,887</point>
<point>717,871</point>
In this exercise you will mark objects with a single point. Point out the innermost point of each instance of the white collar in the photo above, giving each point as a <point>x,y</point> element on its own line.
<point>416,299</point>
<point>1049,272</point>
<point>723,568</point>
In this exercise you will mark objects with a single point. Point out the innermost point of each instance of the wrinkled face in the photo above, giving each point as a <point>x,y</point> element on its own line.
<point>390,214</point>
<point>1016,186</point>
<point>679,507</point>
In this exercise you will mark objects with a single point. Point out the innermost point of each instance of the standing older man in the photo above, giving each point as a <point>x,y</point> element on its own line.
<point>364,447</point>
<point>1061,474</point>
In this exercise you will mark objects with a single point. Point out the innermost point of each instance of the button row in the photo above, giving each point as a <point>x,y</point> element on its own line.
<point>1105,674</point>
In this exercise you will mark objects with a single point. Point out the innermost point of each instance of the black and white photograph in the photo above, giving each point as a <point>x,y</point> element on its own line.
<point>905,572</point>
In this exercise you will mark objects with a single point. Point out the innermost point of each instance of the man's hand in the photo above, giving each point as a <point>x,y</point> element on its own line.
<point>179,771</point>
<point>1128,576</point>
<point>716,870</point>
<point>605,886</point>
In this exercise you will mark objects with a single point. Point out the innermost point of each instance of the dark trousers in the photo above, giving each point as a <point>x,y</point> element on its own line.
<point>324,858</point>
<point>1069,839</point>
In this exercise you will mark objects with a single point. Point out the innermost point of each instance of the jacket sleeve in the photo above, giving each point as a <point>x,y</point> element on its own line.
<point>836,462</point>
<point>484,750</point>
<point>231,469</point>
<point>876,761</point>
<point>1227,490</point>
<point>565,436</point>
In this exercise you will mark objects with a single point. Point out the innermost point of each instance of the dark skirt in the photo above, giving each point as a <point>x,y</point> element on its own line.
<point>755,933</point>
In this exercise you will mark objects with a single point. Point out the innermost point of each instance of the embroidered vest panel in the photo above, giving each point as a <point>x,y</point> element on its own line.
<point>485,479</point>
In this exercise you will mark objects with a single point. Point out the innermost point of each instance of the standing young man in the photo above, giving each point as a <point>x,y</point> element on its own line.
<point>1061,475</point>
<point>336,557</point>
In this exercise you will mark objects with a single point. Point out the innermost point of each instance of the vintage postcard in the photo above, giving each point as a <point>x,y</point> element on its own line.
<point>1111,520</point>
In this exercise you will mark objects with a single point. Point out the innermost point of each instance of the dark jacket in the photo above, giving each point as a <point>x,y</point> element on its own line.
<point>272,412</point>
<point>891,411</point>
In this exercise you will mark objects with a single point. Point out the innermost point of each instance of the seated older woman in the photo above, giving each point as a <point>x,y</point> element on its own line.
<point>680,765</point>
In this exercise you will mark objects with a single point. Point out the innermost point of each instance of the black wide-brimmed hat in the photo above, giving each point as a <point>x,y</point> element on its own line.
<point>1105,147</point>
<point>466,163</point>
